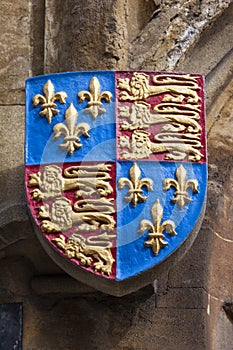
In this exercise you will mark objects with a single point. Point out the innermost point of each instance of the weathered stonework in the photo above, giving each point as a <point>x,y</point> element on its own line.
<point>177,26</point>
<point>184,309</point>
<point>14,51</point>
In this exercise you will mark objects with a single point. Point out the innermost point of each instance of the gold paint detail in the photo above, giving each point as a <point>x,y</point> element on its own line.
<point>48,107</point>
<point>181,185</point>
<point>183,116</point>
<point>94,96</point>
<point>93,214</point>
<point>135,185</point>
<point>140,146</point>
<point>86,179</point>
<point>156,237</point>
<point>84,250</point>
<point>178,117</point>
<point>86,215</point>
<point>177,87</point>
<point>71,131</point>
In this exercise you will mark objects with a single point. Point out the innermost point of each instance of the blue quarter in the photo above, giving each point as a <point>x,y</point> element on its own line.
<point>41,148</point>
<point>132,255</point>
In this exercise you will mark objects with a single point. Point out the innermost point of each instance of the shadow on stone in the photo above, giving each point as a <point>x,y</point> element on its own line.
<point>228,308</point>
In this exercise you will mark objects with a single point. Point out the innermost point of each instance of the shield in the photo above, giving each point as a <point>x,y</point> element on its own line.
<point>116,172</point>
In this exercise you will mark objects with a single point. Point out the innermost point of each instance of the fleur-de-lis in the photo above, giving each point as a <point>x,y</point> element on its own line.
<point>71,131</point>
<point>94,97</point>
<point>135,185</point>
<point>156,236</point>
<point>181,186</point>
<point>48,107</point>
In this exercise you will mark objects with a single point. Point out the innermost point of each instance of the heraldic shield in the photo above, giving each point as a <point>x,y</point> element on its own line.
<point>116,171</point>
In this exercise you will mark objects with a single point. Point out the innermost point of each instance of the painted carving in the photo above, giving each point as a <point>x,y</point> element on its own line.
<point>182,116</point>
<point>178,145</point>
<point>95,96</point>
<point>50,183</point>
<point>181,185</point>
<point>87,179</point>
<point>56,218</point>
<point>86,215</point>
<point>48,107</point>
<point>138,116</point>
<point>71,131</point>
<point>84,250</point>
<point>78,186</point>
<point>178,115</point>
<point>156,237</point>
<point>177,88</point>
<point>135,185</point>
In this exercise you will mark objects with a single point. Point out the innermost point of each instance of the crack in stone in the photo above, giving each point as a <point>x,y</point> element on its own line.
<point>12,104</point>
<point>222,238</point>
<point>226,56</point>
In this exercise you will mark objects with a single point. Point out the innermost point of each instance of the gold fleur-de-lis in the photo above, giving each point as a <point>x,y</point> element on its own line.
<point>71,131</point>
<point>181,186</point>
<point>94,97</point>
<point>135,185</point>
<point>156,236</point>
<point>48,107</point>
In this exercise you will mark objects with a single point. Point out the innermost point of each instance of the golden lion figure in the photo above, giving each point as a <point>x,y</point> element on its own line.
<point>178,146</point>
<point>86,179</point>
<point>88,215</point>
<point>84,250</point>
<point>140,116</point>
<point>178,87</point>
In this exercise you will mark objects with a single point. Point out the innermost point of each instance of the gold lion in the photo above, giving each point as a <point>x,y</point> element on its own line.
<point>77,247</point>
<point>138,88</point>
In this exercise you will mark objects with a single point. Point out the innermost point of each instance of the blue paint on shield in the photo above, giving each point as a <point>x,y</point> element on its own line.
<point>133,256</point>
<point>40,146</point>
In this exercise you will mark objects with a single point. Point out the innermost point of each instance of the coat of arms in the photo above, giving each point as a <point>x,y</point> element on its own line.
<point>115,170</point>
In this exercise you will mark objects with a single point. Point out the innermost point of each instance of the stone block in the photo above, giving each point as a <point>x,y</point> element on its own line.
<point>14,50</point>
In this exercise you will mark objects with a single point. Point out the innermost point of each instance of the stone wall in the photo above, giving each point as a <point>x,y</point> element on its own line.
<point>193,306</point>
